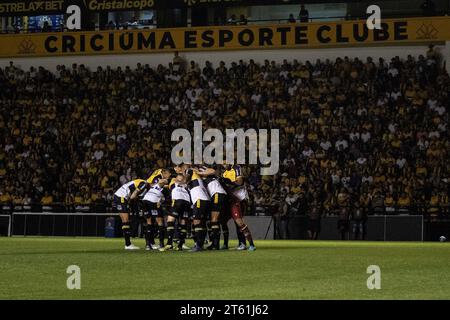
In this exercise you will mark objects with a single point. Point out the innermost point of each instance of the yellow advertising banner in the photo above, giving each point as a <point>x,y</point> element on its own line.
<point>308,35</point>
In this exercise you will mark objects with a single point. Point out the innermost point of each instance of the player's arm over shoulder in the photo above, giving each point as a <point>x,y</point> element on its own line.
<point>206,171</point>
<point>163,182</point>
<point>178,179</point>
<point>140,187</point>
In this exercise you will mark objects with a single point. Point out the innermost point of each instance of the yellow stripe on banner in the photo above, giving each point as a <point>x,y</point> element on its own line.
<point>320,34</point>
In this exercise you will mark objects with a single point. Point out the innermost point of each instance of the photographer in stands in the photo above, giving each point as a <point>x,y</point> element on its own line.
<point>314,220</point>
<point>358,220</point>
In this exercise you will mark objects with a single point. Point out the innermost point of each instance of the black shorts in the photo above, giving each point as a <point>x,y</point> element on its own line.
<point>152,209</point>
<point>120,205</point>
<point>201,209</point>
<point>218,202</point>
<point>180,209</point>
<point>225,214</point>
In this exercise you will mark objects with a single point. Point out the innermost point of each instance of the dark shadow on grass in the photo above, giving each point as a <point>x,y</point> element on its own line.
<point>107,251</point>
<point>121,251</point>
<point>290,248</point>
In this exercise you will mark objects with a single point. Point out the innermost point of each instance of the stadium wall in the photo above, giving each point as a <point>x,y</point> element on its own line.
<point>229,56</point>
<point>379,228</point>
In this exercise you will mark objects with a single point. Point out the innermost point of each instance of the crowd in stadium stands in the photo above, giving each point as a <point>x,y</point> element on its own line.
<point>371,133</point>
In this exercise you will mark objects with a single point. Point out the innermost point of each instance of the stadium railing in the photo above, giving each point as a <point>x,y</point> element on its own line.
<point>59,223</point>
<point>45,222</point>
<point>391,228</point>
<point>431,212</point>
<point>5,224</point>
<point>152,24</point>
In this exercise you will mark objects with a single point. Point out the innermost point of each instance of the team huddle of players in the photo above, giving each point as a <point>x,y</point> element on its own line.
<point>198,195</point>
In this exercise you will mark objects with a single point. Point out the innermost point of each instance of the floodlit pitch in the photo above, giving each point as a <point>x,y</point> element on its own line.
<point>36,268</point>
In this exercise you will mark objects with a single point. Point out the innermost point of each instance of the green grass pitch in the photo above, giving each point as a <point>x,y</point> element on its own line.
<point>35,268</point>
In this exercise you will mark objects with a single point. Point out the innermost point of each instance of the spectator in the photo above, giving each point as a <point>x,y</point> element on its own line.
<point>5,198</point>
<point>232,20</point>
<point>242,20</point>
<point>433,205</point>
<point>259,204</point>
<point>343,223</point>
<point>377,203</point>
<point>389,203</point>
<point>404,203</point>
<point>47,199</point>
<point>178,63</point>
<point>291,203</point>
<point>303,15</point>
<point>428,8</point>
<point>111,25</point>
<point>359,220</point>
<point>347,127</point>
<point>46,27</point>
<point>314,220</point>
<point>282,215</point>
<point>291,18</point>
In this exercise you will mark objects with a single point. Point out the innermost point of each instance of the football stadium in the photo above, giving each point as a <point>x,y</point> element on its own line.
<point>246,150</point>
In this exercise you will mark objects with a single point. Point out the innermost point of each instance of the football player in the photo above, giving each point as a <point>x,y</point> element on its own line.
<point>179,212</point>
<point>218,202</point>
<point>126,193</point>
<point>233,179</point>
<point>200,203</point>
<point>154,215</point>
